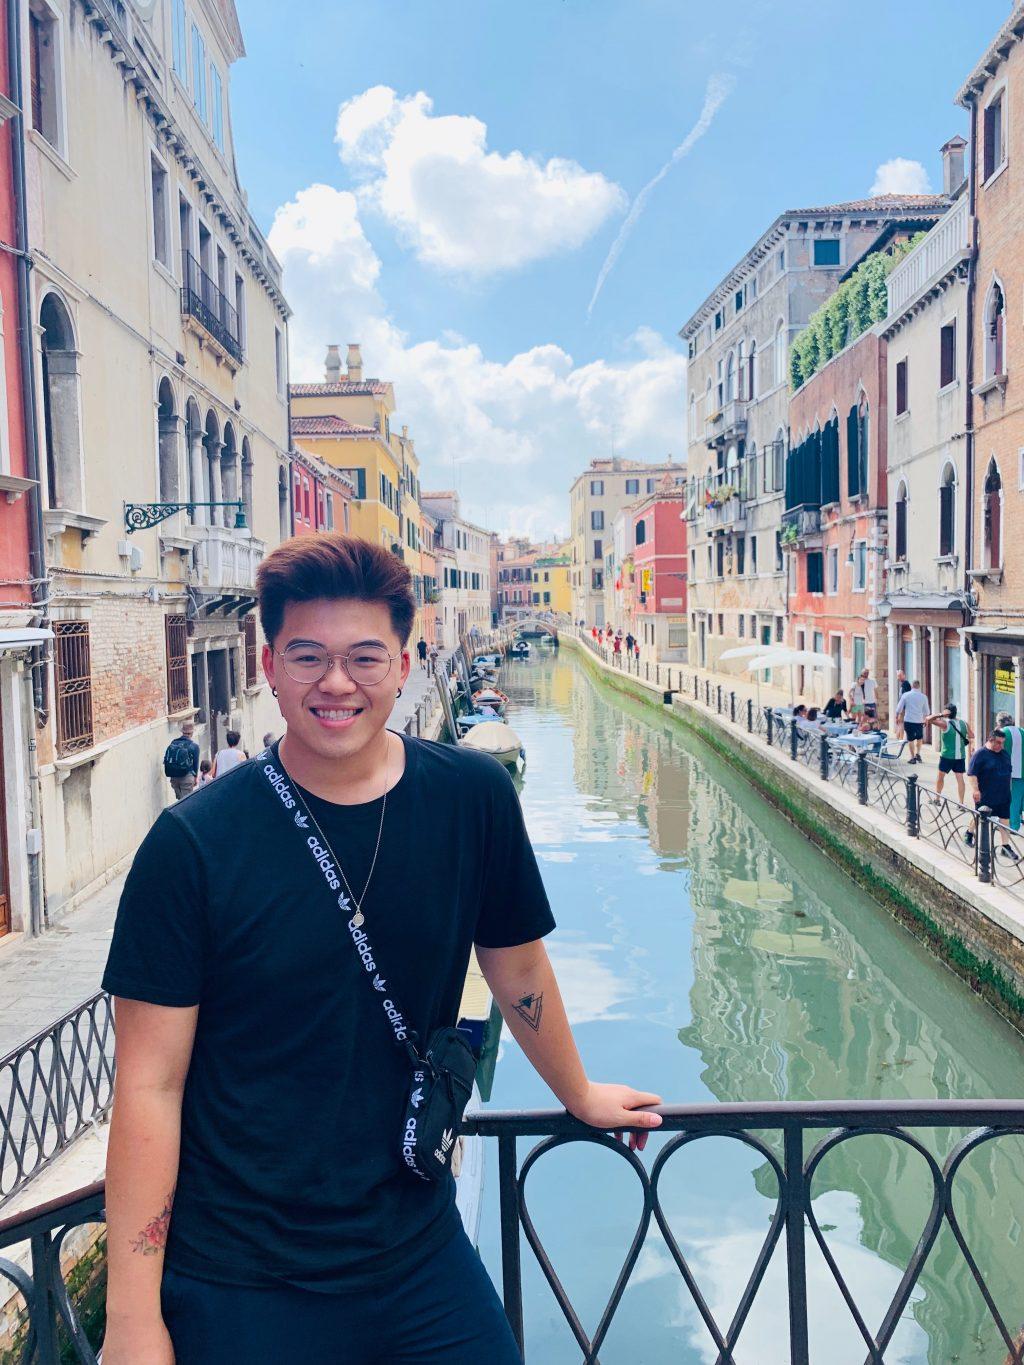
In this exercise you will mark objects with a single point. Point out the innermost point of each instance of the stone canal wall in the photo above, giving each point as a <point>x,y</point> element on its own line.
<point>975,929</point>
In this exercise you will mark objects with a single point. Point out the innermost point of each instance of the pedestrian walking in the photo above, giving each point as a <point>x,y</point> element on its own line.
<point>617,645</point>
<point>230,756</point>
<point>636,650</point>
<point>954,749</point>
<point>912,710</point>
<point>902,685</point>
<point>181,761</point>
<point>205,767</point>
<point>1013,736</point>
<point>421,650</point>
<point>432,657</point>
<point>864,696</point>
<point>630,642</point>
<point>278,1173</point>
<point>989,774</point>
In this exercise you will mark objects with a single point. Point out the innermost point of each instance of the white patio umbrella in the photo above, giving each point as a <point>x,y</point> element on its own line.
<point>745,651</point>
<point>804,658</point>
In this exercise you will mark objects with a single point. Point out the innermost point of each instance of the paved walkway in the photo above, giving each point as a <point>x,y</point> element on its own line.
<point>42,978</point>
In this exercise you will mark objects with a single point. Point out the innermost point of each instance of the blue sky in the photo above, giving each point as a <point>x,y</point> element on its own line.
<point>486,162</point>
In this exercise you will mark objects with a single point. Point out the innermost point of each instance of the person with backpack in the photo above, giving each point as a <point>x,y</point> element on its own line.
<point>181,761</point>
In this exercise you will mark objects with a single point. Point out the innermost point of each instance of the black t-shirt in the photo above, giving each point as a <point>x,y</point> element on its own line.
<point>834,709</point>
<point>993,773</point>
<point>290,1165</point>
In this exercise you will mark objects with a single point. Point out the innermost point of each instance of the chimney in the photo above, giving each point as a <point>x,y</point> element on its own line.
<point>355,363</point>
<point>332,366</point>
<point>953,165</point>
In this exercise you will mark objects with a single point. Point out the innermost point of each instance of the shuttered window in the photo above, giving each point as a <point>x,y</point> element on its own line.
<point>946,519</point>
<point>947,354</point>
<point>901,525</point>
<point>176,649</point>
<point>73,671</point>
<point>815,571</point>
<point>251,674</point>
<point>853,488</point>
<point>901,387</point>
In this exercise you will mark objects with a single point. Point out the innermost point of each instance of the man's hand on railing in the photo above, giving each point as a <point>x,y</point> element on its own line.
<point>615,1107</point>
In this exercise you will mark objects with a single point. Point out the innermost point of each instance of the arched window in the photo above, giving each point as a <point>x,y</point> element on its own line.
<point>229,472</point>
<point>247,480</point>
<point>741,371</point>
<point>730,378</point>
<point>198,468</point>
<point>780,352</point>
<point>993,517</point>
<point>693,417</point>
<point>901,524</point>
<point>212,444</point>
<point>61,416</point>
<point>995,333</point>
<point>947,512</point>
<point>167,444</point>
<point>752,372</point>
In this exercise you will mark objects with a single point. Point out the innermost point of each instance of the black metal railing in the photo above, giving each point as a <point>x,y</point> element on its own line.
<point>779,1133</point>
<point>52,1088</point>
<point>974,837</point>
<point>202,299</point>
<point>792,1139</point>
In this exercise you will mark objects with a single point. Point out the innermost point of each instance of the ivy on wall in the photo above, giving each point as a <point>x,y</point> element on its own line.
<point>857,304</point>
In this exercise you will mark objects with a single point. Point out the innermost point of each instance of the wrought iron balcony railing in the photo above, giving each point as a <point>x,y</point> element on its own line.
<point>202,299</point>
<point>793,1141</point>
<point>805,520</point>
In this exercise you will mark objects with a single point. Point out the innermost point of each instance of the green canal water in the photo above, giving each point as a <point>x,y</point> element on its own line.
<point>708,952</point>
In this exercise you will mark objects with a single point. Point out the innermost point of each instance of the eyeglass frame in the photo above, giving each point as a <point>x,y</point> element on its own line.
<point>343,660</point>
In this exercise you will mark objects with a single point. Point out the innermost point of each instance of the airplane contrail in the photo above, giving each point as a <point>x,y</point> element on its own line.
<point>719,88</point>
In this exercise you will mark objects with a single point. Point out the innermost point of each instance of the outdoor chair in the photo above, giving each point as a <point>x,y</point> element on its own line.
<point>887,754</point>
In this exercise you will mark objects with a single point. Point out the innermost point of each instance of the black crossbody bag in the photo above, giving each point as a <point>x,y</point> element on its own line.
<point>442,1078</point>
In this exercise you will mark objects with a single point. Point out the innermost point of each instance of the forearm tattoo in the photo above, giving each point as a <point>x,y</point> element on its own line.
<point>153,1237</point>
<point>530,1008</point>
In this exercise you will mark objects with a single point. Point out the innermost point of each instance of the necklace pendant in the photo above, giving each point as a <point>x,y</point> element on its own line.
<point>358,919</point>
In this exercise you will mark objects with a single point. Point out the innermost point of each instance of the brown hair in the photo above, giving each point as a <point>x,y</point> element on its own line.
<point>338,567</point>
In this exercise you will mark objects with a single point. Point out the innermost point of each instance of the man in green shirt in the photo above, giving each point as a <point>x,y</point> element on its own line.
<point>1014,746</point>
<point>953,751</point>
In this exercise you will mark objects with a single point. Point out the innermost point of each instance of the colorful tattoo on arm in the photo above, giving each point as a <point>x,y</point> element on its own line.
<point>529,1008</point>
<point>153,1237</point>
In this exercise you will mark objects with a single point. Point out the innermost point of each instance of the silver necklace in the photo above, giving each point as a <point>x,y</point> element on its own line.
<point>358,919</point>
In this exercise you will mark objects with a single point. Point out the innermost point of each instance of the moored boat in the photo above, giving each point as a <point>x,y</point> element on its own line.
<point>497,739</point>
<point>490,696</point>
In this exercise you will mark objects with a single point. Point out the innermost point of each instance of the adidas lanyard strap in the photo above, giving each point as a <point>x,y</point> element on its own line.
<point>442,1079</point>
<point>292,804</point>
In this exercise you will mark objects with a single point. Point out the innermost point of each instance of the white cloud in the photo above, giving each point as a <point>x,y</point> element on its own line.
<point>459,206</point>
<point>900,176</point>
<point>511,434</point>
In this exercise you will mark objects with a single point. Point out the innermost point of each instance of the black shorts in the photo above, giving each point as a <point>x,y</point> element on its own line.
<point>913,729</point>
<point>952,765</point>
<point>1000,812</point>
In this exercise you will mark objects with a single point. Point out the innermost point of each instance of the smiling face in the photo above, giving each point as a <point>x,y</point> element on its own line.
<point>335,718</point>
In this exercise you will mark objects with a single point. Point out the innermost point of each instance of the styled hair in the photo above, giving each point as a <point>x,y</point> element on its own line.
<point>336,567</point>
<point>997,734</point>
<point>951,710</point>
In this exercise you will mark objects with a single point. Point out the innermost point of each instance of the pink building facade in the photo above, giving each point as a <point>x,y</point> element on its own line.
<point>660,575</point>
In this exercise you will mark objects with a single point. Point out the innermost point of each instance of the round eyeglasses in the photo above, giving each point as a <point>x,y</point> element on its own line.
<point>365,665</point>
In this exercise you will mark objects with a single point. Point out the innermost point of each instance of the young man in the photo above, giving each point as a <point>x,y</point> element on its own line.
<point>258,1204</point>
<point>181,762</point>
<point>230,756</point>
<point>421,650</point>
<point>913,710</point>
<point>989,775</point>
<point>953,751</point>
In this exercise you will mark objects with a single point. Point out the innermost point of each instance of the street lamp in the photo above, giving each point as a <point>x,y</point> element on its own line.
<point>141,516</point>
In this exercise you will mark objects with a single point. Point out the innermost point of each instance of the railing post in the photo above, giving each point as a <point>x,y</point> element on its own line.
<point>695,681</point>
<point>750,715</point>
<point>823,758</point>
<point>732,707</point>
<point>862,778</point>
<point>511,1272</point>
<point>647,672</point>
<point>913,807</point>
<point>44,1316</point>
<point>719,706</point>
<point>984,844</point>
<point>796,1254</point>
<point>768,718</point>
<point>792,740</point>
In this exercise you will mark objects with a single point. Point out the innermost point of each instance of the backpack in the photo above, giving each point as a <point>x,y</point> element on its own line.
<point>178,758</point>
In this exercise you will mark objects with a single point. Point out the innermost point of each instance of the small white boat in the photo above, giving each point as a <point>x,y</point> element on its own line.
<point>490,696</point>
<point>487,661</point>
<point>499,740</point>
<point>520,650</point>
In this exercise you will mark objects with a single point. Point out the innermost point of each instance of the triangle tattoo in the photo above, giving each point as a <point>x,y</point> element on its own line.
<point>529,1009</point>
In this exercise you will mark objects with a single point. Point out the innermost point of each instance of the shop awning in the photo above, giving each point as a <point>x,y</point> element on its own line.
<point>23,637</point>
<point>1000,644</point>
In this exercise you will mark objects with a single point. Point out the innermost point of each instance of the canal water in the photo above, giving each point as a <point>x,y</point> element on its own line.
<point>708,952</point>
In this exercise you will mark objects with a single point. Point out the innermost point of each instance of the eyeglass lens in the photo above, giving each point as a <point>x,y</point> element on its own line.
<point>309,663</point>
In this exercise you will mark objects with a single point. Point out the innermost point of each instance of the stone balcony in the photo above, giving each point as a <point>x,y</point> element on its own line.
<point>726,516</point>
<point>943,251</point>
<point>225,558</point>
<point>729,423</point>
<point>806,522</point>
